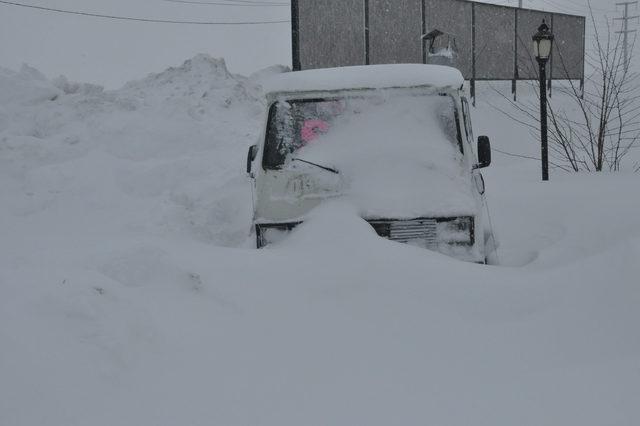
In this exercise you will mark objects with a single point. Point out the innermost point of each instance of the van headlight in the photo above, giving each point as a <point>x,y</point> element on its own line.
<point>459,230</point>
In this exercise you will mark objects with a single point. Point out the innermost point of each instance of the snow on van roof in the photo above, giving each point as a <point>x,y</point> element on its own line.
<point>365,77</point>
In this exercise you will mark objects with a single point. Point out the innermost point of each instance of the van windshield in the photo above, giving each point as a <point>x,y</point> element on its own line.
<point>382,121</point>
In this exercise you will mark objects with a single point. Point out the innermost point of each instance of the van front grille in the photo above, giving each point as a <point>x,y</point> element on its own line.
<point>405,231</point>
<point>429,231</point>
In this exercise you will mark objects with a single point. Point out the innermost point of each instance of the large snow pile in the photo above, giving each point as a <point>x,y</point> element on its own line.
<point>163,153</point>
<point>128,296</point>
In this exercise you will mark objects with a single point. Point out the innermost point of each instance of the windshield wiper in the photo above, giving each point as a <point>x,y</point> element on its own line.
<point>329,169</point>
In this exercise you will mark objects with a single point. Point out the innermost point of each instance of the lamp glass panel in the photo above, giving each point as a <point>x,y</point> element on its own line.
<point>544,48</point>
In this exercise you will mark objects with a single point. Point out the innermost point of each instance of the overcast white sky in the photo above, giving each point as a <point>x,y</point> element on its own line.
<point>110,52</point>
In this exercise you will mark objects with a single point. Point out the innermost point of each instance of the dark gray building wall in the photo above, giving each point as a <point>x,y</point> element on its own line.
<point>333,33</point>
<point>389,42</point>
<point>568,54</point>
<point>495,42</point>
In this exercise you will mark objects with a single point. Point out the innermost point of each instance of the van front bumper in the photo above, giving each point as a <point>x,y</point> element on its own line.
<point>453,236</point>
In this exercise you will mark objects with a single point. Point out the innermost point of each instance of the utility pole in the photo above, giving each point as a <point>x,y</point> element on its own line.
<point>625,28</point>
<point>520,4</point>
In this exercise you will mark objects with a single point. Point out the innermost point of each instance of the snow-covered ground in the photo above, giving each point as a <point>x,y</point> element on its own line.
<point>129,294</point>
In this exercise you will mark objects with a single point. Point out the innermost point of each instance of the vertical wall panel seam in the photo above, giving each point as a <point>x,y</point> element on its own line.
<point>473,52</point>
<point>584,51</point>
<point>555,47</point>
<point>296,63</point>
<point>515,47</point>
<point>424,31</point>
<point>367,52</point>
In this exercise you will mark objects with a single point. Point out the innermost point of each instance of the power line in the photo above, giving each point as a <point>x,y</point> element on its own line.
<point>128,18</point>
<point>588,5</point>
<point>558,7</point>
<point>258,2</point>
<point>515,155</point>
<point>230,3</point>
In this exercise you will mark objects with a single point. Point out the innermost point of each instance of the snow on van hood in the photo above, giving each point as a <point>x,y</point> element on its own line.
<point>390,168</point>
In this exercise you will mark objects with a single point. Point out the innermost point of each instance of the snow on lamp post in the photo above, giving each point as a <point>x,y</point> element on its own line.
<point>542,44</point>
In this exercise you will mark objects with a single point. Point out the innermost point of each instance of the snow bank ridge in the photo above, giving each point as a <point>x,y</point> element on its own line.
<point>175,139</point>
<point>201,77</point>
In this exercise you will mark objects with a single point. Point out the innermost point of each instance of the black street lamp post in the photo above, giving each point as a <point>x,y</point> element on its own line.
<point>542,43</point>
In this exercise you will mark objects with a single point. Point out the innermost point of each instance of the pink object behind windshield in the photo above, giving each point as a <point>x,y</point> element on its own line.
<point>312,128</point>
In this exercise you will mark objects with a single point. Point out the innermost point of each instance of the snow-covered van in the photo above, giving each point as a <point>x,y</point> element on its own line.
<point>394,140</point>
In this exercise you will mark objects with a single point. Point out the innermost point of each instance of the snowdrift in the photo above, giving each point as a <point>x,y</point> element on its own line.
<point>168,147</point>
<point>129,294</point>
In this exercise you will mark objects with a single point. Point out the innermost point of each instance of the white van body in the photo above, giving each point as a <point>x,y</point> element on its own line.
<point>410,168</point>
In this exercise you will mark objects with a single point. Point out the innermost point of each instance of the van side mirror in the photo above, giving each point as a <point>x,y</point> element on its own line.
<point>484,153</point>
<point>251,155</point>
